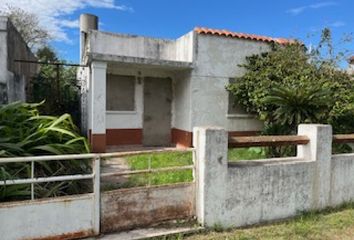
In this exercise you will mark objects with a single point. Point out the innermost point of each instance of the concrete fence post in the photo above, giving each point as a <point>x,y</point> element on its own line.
<point>211,173</point>
<point>319,150</point>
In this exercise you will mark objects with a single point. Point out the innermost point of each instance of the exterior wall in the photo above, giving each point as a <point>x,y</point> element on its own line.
<point>250,192</point>
<point>98,106</point>
<point>216,62</point>
<point>59,218</point>
<point>13,76</point>
<point>139,207</point>
<point>199,95</point>
<point>141,47</point>
<point>125,127</point>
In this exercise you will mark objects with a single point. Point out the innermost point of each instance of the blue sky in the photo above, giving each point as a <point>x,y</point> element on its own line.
<point>173,18</point>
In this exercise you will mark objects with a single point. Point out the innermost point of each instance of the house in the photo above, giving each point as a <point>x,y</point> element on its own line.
<point>14,76</point>
<point>141,90</point>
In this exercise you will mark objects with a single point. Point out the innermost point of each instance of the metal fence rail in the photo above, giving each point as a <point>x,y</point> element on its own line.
<point>95,175</point>
<point>32,180</point>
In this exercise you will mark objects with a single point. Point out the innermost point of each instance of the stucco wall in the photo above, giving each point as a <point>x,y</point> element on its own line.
<point>139,46</point>
<point>217,60</point>
<point>250,192</point>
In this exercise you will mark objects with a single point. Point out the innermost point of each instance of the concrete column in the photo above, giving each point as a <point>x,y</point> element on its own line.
<point>98,106</point>
<point>211,173</point>
<point>319,150</point>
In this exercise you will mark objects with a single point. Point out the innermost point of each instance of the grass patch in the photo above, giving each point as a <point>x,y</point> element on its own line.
<point>252,153</point>
<point>174,159</point>
<point>325,225</point>
<point>159,160</point>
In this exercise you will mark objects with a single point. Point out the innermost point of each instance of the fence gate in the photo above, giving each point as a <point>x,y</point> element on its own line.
<point>133,205</point>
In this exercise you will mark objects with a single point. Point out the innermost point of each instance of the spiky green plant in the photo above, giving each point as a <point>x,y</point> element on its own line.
<point>24,132</point>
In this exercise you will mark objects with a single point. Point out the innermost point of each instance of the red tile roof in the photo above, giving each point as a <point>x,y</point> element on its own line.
<point>227,33</point>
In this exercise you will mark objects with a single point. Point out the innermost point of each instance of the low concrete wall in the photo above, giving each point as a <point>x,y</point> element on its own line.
<point>59,218</point>
<point>138,207</point>
<point>251,192</point>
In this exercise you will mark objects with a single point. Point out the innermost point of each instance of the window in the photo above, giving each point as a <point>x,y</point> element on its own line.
<point>234,109</point>
<point>120,92</point>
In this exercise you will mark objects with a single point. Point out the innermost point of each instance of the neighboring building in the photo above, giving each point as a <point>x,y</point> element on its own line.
<point>14,76</point>
<point>140,90</point>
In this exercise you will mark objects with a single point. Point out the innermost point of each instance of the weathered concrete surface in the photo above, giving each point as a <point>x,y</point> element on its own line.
<point>140,47</point>
<point>59,218</point>
<point>15,76</point>
<point>217,61</point>
<point>250,192</point>
<point>342,179</point>
<point>138,207</point>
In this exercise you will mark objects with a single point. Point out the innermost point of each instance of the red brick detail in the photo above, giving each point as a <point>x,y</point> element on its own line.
<point>181,138</point>
<point>124,136</point>
<point>98,143</point>
<point>243,133</point>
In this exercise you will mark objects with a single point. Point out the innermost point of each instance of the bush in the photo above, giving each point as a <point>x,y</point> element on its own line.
<point>24,132</point>
<point>288,86</point>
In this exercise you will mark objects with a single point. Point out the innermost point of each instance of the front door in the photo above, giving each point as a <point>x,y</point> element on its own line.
<point>157,111</point>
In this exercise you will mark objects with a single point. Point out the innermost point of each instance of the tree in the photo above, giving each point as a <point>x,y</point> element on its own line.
<point>56,85</point>
<point>27,24</point>
<point>289,85</point>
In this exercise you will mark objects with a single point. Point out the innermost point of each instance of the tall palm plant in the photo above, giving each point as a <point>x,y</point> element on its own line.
<point>295,105</point>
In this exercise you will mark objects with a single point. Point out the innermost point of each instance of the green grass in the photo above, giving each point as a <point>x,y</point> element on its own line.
<point>173,159</point>
<point>325,225</point>
<point>252,153</point>
<point>159,160</point>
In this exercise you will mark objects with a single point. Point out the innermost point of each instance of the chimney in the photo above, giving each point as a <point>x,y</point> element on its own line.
<point>87,22</point>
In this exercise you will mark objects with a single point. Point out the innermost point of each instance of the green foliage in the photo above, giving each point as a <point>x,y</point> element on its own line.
<point>288,86</point>
<point>61,94</point>
<point>24,132</point>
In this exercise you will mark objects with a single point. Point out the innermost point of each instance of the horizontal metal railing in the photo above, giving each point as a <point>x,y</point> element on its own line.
<point>95,175</point>
<point>33,180</point>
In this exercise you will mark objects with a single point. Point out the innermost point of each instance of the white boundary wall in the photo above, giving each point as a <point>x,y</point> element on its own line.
<point>61,218</point>
<point>250,192</point>
<point>67,217</point>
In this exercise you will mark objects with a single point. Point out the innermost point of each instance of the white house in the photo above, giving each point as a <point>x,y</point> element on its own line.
<point>140,90</point>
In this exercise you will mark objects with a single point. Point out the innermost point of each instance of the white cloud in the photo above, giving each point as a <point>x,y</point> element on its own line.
<point>337,24</point>
<point>55,15</point>
<point>298,10</point>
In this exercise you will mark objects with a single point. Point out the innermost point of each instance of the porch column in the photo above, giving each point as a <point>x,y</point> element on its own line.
<point>98,106</point>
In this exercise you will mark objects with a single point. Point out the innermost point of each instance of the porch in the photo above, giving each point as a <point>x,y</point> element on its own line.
<point>132,101</point>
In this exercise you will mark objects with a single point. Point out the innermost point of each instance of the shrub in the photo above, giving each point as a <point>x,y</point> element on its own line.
<point>24,132</point>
